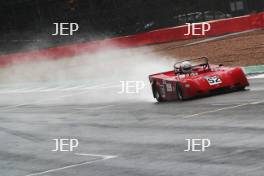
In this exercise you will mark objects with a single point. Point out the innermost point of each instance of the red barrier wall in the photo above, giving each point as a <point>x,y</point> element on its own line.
<point>218,27</point>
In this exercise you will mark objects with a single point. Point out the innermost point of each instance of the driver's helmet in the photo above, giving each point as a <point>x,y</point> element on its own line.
<point>186,67</point>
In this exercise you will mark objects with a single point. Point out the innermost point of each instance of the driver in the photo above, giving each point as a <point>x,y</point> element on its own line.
<point>186,67</point>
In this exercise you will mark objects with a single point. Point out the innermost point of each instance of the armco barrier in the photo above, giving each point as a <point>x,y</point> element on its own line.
<point>218,27</point>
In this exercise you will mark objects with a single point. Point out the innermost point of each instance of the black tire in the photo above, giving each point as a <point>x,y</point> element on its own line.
<point>241,88</point>
<point>157,94</point>
<point>179,92</point>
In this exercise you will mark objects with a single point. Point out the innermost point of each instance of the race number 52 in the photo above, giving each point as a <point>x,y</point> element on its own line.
<point>214,80</point>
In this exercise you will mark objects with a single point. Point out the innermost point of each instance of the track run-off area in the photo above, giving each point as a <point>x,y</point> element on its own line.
<point>129,135</point>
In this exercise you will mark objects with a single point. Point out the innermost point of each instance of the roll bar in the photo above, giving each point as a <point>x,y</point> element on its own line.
<point>205,64</point>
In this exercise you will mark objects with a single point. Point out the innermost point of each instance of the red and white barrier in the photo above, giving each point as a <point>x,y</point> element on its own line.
<point>218,27</point>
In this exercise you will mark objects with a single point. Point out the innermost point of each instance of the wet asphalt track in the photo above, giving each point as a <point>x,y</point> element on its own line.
<point>146,138</point>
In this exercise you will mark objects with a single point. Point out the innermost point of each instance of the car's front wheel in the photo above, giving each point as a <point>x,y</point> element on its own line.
<point>241,88</point>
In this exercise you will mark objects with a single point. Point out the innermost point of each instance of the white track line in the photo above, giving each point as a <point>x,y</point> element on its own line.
<point>102,86</point>
<point>62,168</point>
<point>257,102</point>
<point>105,157</point>
<point>59,89</point>
<point>102,158</point>
<point>226,108</point>
<point>261,76</point>
<point>97,107</point>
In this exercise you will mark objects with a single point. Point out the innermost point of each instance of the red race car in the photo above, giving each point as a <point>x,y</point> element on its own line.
<point>198,79</point>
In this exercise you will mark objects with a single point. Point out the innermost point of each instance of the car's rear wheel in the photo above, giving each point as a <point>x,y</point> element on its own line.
<point>179,92</point>
<point>157,94</point>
